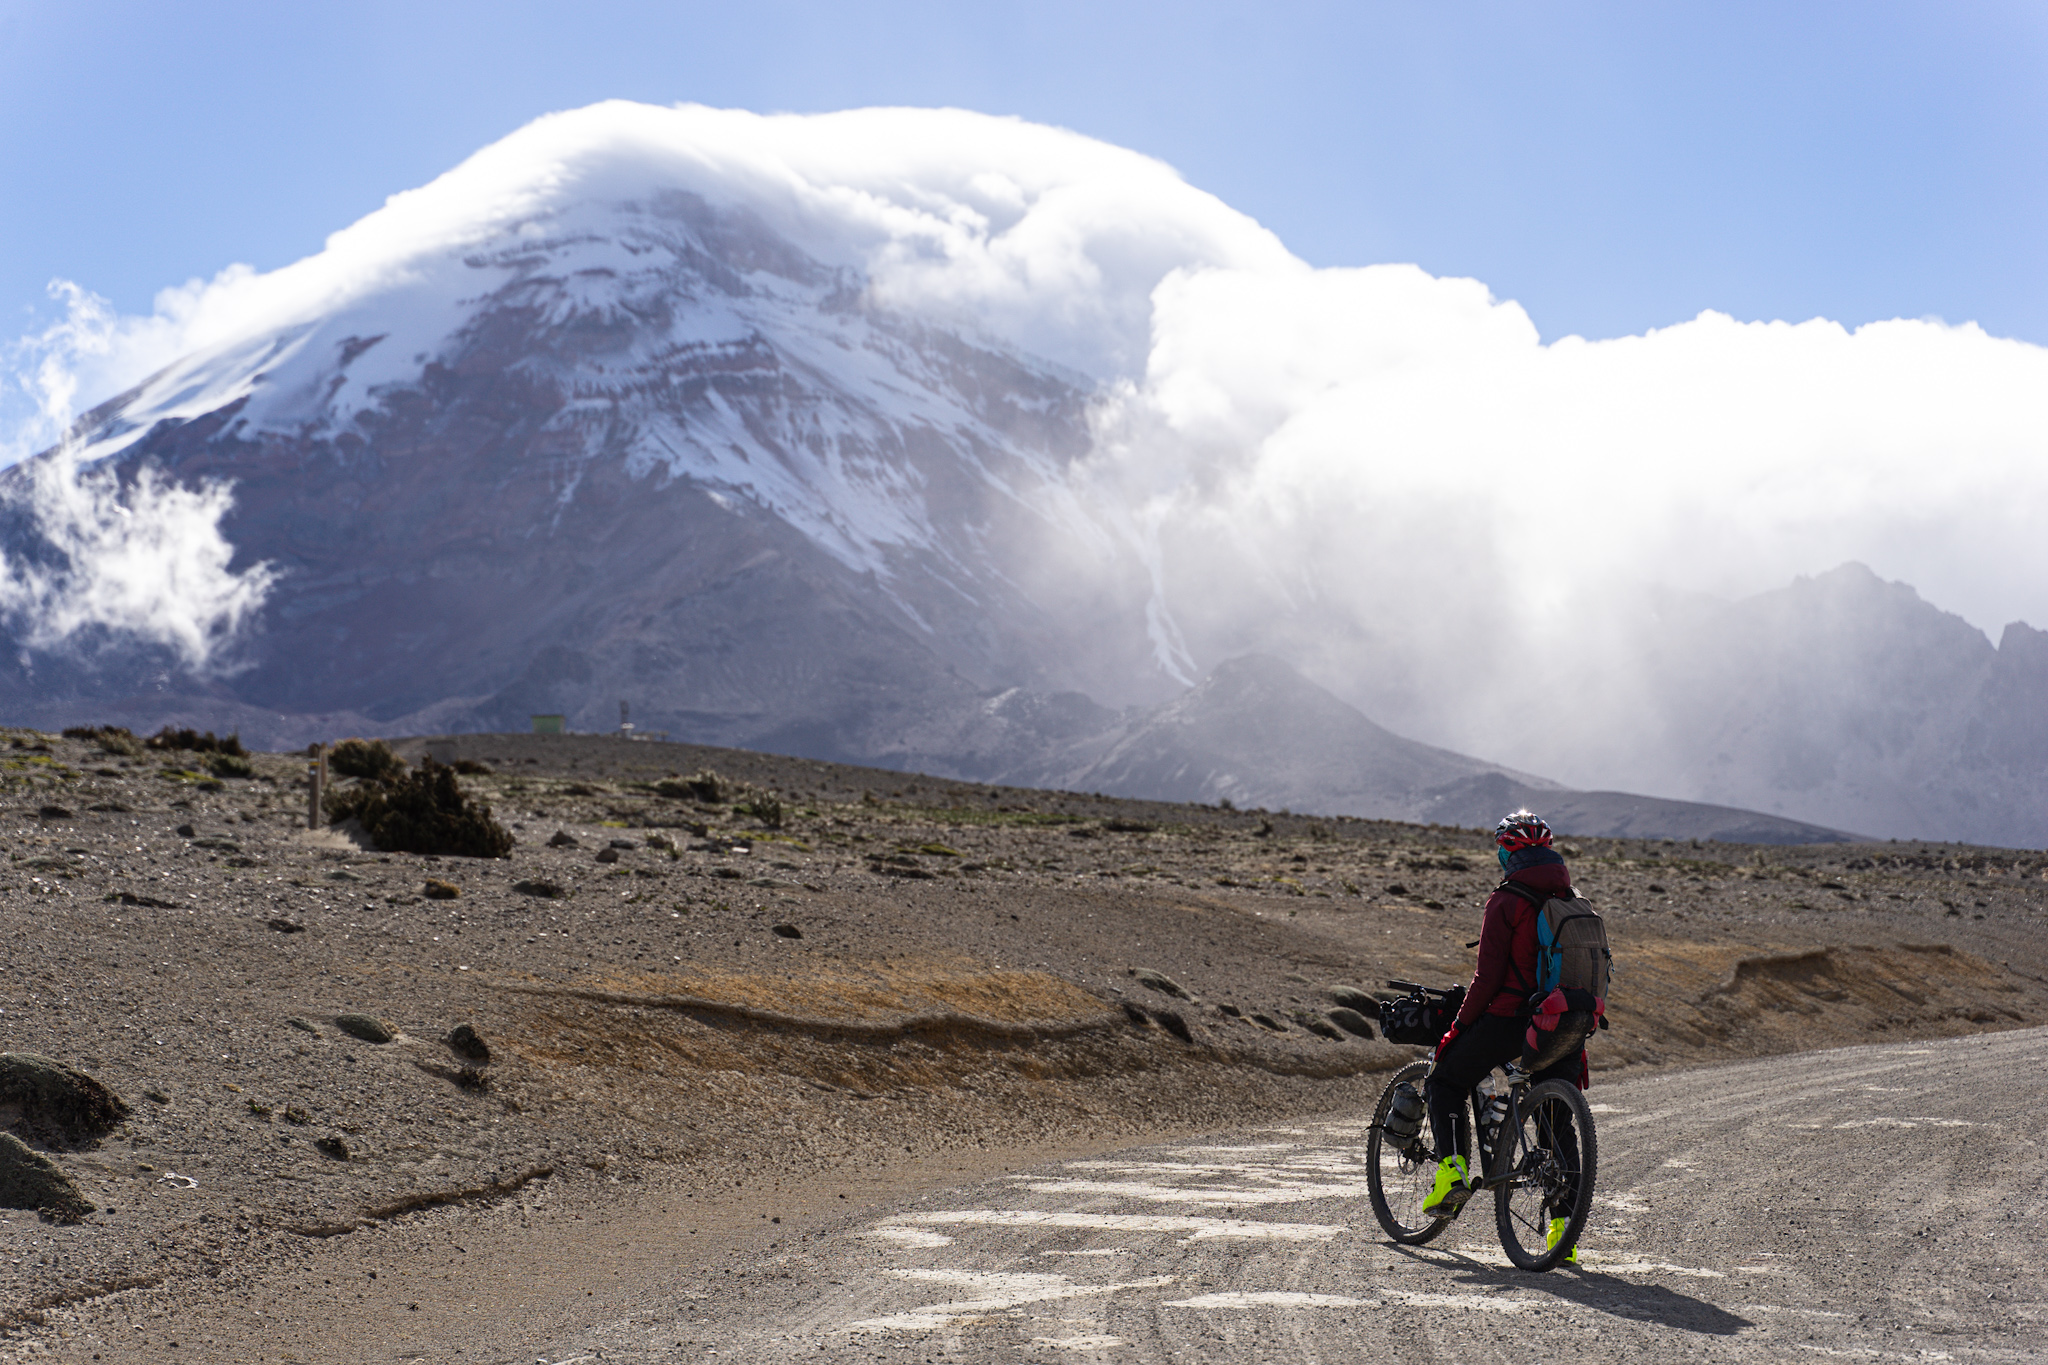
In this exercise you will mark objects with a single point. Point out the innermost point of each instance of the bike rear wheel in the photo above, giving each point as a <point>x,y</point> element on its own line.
<point>1551,1159</point>
<point>1399,1181</point>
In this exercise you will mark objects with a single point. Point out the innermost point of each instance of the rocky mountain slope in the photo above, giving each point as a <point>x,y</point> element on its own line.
<point>654,445</point>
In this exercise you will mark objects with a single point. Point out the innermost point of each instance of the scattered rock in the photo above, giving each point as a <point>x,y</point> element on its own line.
<point>333,1146</point>
<point>1269,1022</point>
<point>30,1180</point>
<point>438,890</point>
<point>146,902</point>
<point>1174,1024</point>
<point>1351,1021</point>
<point>1353,998</point>
<point>786,931</point>
<point>464,1041</point>
<point>1159,981</point>
<point>625,843</point>
<point>186,831</point>
<point>662,842</point>
<point>553,891</point>
<point>55,1103</point>
<point>54,813</point>
<point>562,838</point>
<point>304,1025</point>
<point>285,926</point>
<point>607,855</point>
<point>1230,1011</point>
<point>365,1027</point>
<point>1136,1013</point>
<point>775,882</point>
<point>1317,1025</point>
<point>296,1116</point>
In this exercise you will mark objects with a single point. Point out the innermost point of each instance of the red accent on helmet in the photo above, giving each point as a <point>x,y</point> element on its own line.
<point>1522,829</point>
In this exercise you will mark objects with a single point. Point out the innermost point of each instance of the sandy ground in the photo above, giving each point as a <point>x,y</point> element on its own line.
<point>962,993</point>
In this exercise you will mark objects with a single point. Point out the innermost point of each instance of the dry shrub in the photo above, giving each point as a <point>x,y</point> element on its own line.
<point>371,759</point>
<point>423,811</point>
<point>169,739</point>
<point>112,739</point>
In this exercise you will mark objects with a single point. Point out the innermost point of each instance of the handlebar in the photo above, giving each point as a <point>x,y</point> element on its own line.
<point>1439,993</point>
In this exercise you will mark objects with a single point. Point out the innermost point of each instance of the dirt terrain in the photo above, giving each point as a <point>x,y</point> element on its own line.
<point>828,978</point>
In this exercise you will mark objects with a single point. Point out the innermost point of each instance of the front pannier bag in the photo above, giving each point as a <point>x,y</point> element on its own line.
<point>1419,1019</point>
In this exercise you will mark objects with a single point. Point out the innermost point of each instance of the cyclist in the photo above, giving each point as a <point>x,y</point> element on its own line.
<point>1491,1024</point>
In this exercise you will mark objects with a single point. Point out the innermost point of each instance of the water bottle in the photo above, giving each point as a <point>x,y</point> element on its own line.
<point>1493,1112</point>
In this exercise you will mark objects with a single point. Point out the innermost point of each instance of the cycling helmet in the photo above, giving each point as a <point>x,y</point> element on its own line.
<point>1522,829</point>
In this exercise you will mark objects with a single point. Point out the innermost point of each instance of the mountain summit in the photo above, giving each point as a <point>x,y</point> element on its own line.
<point>935,440</point>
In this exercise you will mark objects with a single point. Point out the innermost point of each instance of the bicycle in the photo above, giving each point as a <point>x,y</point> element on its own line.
<point>1540,1161</point>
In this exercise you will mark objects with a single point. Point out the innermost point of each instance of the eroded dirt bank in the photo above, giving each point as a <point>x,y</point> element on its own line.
<point>900,974</point>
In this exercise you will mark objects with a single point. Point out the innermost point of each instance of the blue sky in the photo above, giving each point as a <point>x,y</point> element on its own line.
<point>1612,166</point>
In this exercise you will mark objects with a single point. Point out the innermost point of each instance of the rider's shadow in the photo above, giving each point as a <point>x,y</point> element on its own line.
<point>1590,1289</point>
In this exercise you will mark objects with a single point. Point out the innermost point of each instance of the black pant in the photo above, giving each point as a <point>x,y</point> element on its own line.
<point>1487,1042</point>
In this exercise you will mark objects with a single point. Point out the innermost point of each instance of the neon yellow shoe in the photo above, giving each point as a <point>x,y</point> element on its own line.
<point>1453,1188</point>
<point>1554,1236</point>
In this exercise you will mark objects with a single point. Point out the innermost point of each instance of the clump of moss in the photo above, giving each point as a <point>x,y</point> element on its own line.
<point>365,758</point>
<point>422,811</point>
<point>30,1180</point>
<point>763,807</point>
<point>112,739</point>
<point>198,743</point>
<point>230,765</point>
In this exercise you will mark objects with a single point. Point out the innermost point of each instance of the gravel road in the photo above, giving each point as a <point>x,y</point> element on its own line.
<point>1874,1202</point>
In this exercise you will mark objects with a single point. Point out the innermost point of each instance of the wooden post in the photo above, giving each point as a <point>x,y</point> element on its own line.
<point>316,778</point>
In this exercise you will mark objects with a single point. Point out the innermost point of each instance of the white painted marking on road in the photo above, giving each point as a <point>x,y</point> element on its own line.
<point>1272,1298</point>
<point>997,1291</point>
<point>1198,1194</point>
<point>1594,1262</point>
<point>909,1237</point>
<point>1200,1229</point>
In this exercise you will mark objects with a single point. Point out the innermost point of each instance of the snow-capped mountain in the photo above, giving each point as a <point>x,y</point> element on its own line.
<point>948,442</point>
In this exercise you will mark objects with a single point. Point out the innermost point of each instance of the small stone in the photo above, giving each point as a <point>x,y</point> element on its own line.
<point>1174,1024</point>
<point>30,1180</point>
<point>285,926</point>
<point>464,1041</point>
<point>186,831</point>
<point>365,1027</point>
<point>1269,1022</point>
<point>304,1025</point>
<point>625,843</point>
<point>1159,981</point>
<point>787,931</point>
<point>333,1146</point>
<point>562,838</point>
<point>1351,1021</point>
<point>54,813</point>
<point>607,855</point>
<point>552,891</point>
<point>438,890</point>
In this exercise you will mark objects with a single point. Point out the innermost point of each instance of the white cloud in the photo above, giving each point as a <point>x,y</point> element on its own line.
<point>1400,448</point>
<point>147,561</point>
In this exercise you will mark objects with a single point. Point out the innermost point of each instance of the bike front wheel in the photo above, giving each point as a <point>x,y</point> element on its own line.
<point>1399,1181</point>
<point>1550,1160</point>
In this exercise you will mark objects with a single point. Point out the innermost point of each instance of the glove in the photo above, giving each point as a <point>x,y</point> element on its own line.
<point>1443,1043</point>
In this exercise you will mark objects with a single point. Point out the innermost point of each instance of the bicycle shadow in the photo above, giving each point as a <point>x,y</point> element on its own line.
<point>1589,1288</point>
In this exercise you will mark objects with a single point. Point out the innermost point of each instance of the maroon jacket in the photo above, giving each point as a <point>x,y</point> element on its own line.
<point>1506,973</point>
